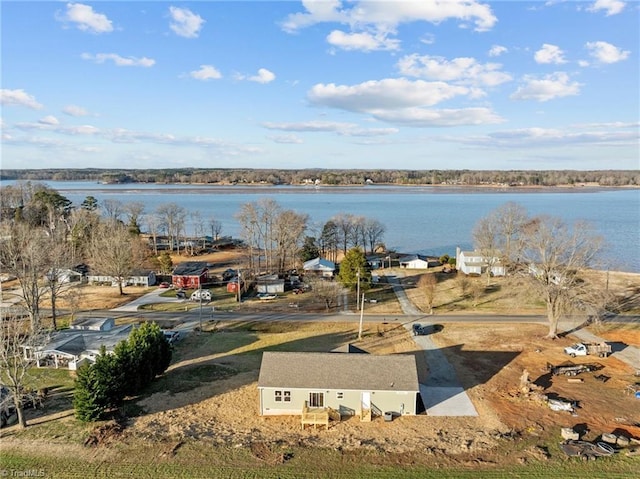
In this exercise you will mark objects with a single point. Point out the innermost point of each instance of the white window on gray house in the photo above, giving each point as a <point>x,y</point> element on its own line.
<point>278,396</point>
<point>287,396</point>
<point>339,395</point>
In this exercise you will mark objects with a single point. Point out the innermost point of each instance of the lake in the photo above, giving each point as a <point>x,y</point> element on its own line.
<point>426,220</point>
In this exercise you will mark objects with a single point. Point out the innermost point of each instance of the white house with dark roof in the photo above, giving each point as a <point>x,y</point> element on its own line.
<point>416,261</point>
<point>351,384</point>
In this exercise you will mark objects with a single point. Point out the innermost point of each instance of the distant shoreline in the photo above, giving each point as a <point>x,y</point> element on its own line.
<point>370,188</point>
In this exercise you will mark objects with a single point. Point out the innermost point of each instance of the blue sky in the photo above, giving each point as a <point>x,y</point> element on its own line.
<point>444,84</point>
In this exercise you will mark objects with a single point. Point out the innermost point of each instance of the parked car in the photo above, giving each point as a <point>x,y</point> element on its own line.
<point>266,296</point>
<point>163,285</point>
<point>201,295</point>
<point>171,336</point>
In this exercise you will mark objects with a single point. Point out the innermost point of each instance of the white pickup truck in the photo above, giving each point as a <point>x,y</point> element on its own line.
<point>583,349</point>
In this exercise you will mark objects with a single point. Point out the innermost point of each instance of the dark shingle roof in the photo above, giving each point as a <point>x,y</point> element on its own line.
<point>365,372</point>
<point>190,268</point>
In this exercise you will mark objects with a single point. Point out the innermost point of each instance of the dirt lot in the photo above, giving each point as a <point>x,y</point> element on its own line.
<point>489,358</point>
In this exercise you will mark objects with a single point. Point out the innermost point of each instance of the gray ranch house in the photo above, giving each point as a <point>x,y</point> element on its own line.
<point>339,384</point>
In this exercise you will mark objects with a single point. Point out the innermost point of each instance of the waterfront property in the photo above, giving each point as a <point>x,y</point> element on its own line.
<point>299,383</point>
<point>474,262</point>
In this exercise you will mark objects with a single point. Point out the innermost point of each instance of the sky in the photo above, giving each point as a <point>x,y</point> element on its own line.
<point>428,84</point>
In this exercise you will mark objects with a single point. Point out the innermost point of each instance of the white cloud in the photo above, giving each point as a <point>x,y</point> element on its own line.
<point>341,128</point>
<point>387,15</point>
<point>206,72</point>
<point>74,110</point>
<point>611,7</point>
<point>555,85</point>
<point>550,54</point>
<point>19,98</point>
<point>390,93</point>
<point>263,76</point>
<point>425,118</point>
<point>497,50</point>
<point>286,139</point>
<point>185,23</point>
<point>464,70</point>
<point>119,60</point>
<point>49,120</point>
<point>536,137</point>
<point>606,52</point>
<point>310,126</point>
<point>86,19</point>
<point>363,41</point>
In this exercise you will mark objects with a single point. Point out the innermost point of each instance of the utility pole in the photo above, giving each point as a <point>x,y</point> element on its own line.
<point>358,290</point>
<point>361,317</point>
<point>200,298</point>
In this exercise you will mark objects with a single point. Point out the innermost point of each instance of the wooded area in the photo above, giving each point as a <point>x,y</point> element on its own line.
<point>226,176</point>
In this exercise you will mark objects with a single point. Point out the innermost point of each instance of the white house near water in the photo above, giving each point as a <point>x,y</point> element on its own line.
<point>474,262</point>
<point>415,261</point>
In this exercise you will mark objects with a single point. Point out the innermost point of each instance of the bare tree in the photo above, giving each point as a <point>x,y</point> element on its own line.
<point>172,219</point>
<point>556,255</point>
<point>289,230</point>
<point>374,232</point>
<point>59,261</point>
<point>486,237</point>
<point>113,252</point>
<point>496,235</point>
<point>134,212</point>
<point>113,209</point>
<point>25,255</point>
<point>329,292</point>
<point>344,229</point>
<point>216,228</point>
<point>427,284</point>
<point>18,343</point>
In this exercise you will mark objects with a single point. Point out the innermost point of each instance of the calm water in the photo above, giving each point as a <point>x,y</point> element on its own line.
<point>418,219</point>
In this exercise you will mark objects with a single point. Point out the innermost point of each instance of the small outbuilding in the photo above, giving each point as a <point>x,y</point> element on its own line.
<point>415,261</point>
<point>350,384</point>
<point>270,284</point>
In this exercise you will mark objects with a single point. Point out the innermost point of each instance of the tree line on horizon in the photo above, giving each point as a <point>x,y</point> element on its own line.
<point>342,177</point>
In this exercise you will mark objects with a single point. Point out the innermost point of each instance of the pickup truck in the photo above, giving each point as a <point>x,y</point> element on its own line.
<point>582,349</point>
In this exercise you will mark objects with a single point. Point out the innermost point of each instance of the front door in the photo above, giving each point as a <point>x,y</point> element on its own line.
<point>316,399</point>
<point>366,400</point>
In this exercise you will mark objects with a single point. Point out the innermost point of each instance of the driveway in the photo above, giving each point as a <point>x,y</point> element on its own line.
<point>442,393</point>
<point>149,298</point>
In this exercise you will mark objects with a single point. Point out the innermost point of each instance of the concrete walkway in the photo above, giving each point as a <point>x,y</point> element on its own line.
<point>442,394</point>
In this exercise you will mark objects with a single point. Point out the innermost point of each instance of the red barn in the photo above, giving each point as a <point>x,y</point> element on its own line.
<point>190,274</point>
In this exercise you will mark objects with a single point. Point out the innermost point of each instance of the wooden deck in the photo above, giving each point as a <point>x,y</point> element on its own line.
<point>318,416</point>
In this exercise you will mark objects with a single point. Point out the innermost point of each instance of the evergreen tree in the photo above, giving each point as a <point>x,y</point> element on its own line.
<point>353,265</point>
<point>309,249</point>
